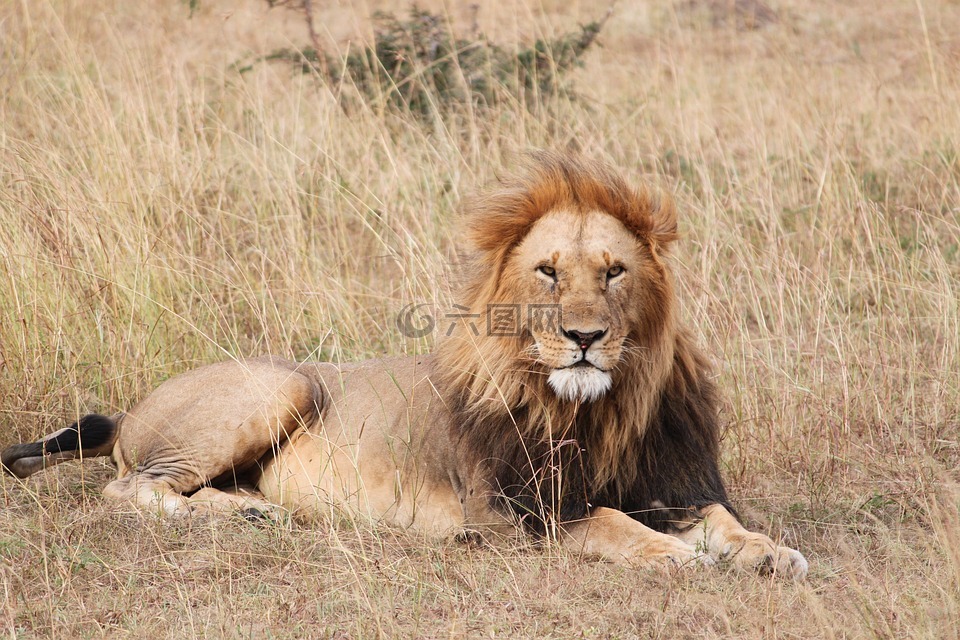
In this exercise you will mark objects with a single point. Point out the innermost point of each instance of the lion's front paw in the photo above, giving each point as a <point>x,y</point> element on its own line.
<point>791,563</point>
<point>757,552</point>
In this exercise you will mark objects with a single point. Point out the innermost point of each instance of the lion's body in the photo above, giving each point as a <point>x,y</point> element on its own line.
<point>370,438</point>
<point>599,430</point>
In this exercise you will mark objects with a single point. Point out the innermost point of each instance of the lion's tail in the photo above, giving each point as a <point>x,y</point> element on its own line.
<point>91,436</point>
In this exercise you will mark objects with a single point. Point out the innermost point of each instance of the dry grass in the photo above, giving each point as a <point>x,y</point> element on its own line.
<point>158,211</point>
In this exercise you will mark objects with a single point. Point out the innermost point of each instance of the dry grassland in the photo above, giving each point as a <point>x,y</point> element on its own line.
<point>158,211</point>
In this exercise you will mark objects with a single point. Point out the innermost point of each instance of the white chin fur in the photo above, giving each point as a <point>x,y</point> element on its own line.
<point>580,383</point>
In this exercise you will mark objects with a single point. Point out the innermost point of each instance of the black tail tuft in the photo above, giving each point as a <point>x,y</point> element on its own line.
<point>90,432</point>
<point>92,435</point>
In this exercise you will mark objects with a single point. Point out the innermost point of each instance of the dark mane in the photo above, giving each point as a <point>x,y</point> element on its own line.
<point>548,481</point>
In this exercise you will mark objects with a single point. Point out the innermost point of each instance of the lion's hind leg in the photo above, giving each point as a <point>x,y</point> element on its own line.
<point>157,494</point>
<point>243,499</point>
<point>152,494</point>
<point>208,430</point>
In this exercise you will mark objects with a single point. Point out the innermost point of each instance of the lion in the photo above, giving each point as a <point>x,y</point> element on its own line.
<point>571,407</point>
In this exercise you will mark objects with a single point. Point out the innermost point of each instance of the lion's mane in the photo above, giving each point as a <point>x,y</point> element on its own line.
<point>650,445</point>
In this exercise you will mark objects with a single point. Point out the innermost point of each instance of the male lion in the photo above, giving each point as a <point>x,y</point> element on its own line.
<point>592,421</point>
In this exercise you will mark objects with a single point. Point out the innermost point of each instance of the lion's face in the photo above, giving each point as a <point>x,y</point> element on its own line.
<point>607,284</point>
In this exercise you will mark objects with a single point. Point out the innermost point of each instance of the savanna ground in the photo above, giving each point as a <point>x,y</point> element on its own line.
<point>159,210</point>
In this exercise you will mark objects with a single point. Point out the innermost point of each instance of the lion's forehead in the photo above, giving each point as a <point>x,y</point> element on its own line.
<point>573,238</point>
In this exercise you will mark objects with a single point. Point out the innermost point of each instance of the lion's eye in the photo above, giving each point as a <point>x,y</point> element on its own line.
<point>548,271</point>
<point>614,271</point>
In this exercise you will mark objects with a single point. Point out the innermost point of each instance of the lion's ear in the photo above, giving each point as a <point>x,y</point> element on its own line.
<point>664,218</point>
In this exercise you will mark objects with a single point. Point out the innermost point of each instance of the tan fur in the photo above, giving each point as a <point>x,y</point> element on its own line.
<point>409,441</point>
<point>615,536</point>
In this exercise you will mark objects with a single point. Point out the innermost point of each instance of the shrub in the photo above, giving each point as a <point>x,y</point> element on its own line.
<point>419,65</point>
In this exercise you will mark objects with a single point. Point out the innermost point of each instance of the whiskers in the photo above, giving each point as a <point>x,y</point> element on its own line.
<point>630,348</point>
<point>530,357</point>
<point>531,352</point>
<point>530,361</point>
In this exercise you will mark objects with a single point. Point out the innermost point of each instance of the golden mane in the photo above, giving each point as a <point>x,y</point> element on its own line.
<point>497,387</point>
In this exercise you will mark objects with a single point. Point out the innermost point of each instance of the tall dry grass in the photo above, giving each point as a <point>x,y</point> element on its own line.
<point>158,210</point>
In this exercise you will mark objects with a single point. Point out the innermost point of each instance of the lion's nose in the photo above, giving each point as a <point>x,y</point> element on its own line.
<point>584,338</point>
